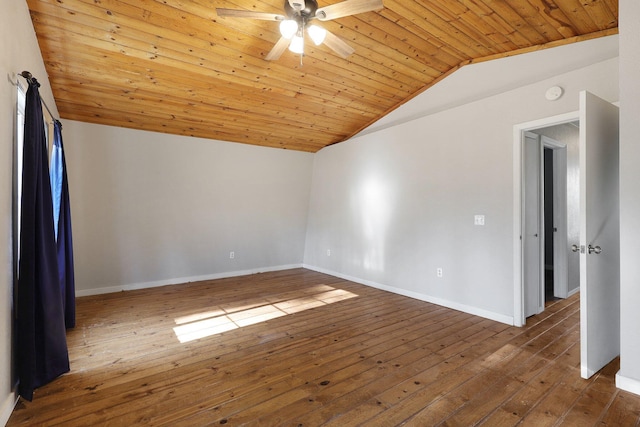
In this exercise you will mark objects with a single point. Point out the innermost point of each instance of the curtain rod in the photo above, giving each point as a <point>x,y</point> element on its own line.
<point>29,77</point>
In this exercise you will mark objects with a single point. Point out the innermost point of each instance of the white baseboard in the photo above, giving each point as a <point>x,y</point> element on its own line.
<point>178,280</point>
<point>628,384</point>
<point>422,297</point>
<point>7,408</point>
<point>573,291</point>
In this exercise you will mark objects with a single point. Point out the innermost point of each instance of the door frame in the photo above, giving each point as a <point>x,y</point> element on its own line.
<point>519,131</point>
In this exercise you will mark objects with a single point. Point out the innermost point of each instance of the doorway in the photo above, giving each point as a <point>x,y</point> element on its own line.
<point>597,211</point>
<point>544,218</point>
<point>549,213</point>
<point>560,208</point>
<point>550,228</point>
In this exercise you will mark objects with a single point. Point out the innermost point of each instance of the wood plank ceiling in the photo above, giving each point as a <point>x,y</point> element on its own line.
<point>174,66</point>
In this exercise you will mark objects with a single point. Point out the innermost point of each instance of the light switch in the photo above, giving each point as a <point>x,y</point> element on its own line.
<point>478,220</point>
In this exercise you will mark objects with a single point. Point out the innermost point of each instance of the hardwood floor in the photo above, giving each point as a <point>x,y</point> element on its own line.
<point>300,348</point>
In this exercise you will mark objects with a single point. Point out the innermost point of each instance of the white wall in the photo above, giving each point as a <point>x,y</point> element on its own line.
<point>18,51</point>
<point>489,78</point>
<point>629,376</point>
<point>394,205</point>
<point>150,208</point>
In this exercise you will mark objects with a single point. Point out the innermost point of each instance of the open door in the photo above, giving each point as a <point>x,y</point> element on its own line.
<point>599,234</point>
<point>533,266</point>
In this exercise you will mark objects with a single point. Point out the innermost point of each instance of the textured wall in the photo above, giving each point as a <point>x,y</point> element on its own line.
<point>394,205</point>
<point>152,208</point>
<point>629,376</point>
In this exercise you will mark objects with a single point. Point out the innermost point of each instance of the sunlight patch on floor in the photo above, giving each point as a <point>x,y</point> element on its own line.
<point>212,322</point>
<point>500,355</point>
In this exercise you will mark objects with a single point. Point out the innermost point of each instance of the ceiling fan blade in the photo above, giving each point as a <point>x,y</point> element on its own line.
<point>235,13</point>
<point>276,51</point>
<point>346,8</point>
<point>338,45</point>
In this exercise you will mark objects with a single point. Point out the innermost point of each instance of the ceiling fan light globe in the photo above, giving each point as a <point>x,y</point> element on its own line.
<point>317,34</point>
<point>288,28</point>
<point>297,45</point>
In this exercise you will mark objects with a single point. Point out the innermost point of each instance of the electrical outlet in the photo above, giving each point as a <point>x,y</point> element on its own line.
<point>438,272</point>
<point>478,220</point>
<point>328,252</point>
<point>232,255</point>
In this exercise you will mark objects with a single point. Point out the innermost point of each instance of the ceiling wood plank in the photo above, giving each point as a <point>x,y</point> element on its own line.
<point>177,67</point>
<point>163,47</point>
<point>137,70</point>
<point>194,128</point>
<point>139,101</point>
<point>577,14</point>
<point>206,47</point>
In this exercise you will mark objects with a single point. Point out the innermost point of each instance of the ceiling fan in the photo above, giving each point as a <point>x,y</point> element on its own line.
<point>298,14</point>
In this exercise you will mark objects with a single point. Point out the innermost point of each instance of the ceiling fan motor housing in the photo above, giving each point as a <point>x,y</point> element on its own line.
<point>307,12</point>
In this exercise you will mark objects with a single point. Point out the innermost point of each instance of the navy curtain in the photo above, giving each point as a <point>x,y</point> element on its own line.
<point>42,353</point>
<point>62,226</point>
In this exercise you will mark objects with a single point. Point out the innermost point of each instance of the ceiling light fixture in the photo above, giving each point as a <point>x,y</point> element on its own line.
<point>317,34</point>
<point>292,28</point>
<point>299,13</point>
<point>297,44</point>
<point>288,28</point>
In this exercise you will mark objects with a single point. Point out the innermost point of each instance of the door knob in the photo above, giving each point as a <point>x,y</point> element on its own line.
<point>575,248</point>
<point>595,249</point>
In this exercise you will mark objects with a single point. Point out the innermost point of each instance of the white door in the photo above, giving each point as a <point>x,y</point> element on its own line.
<point>532,265</point>
<point>599,234</point>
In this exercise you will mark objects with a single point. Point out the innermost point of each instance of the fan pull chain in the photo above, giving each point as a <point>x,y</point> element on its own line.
<point>304,22</point>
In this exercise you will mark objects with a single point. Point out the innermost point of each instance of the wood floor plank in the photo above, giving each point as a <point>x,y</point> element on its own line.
<point>595,399</point>
<point>149,378</point>
<point>391,352</point>
<point>308,349</point>
<point>623,411</point>
<point>271,374</point>
<point>341,360</point>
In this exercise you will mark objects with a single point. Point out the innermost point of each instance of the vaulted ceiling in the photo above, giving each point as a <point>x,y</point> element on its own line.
<point>175,66</point>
